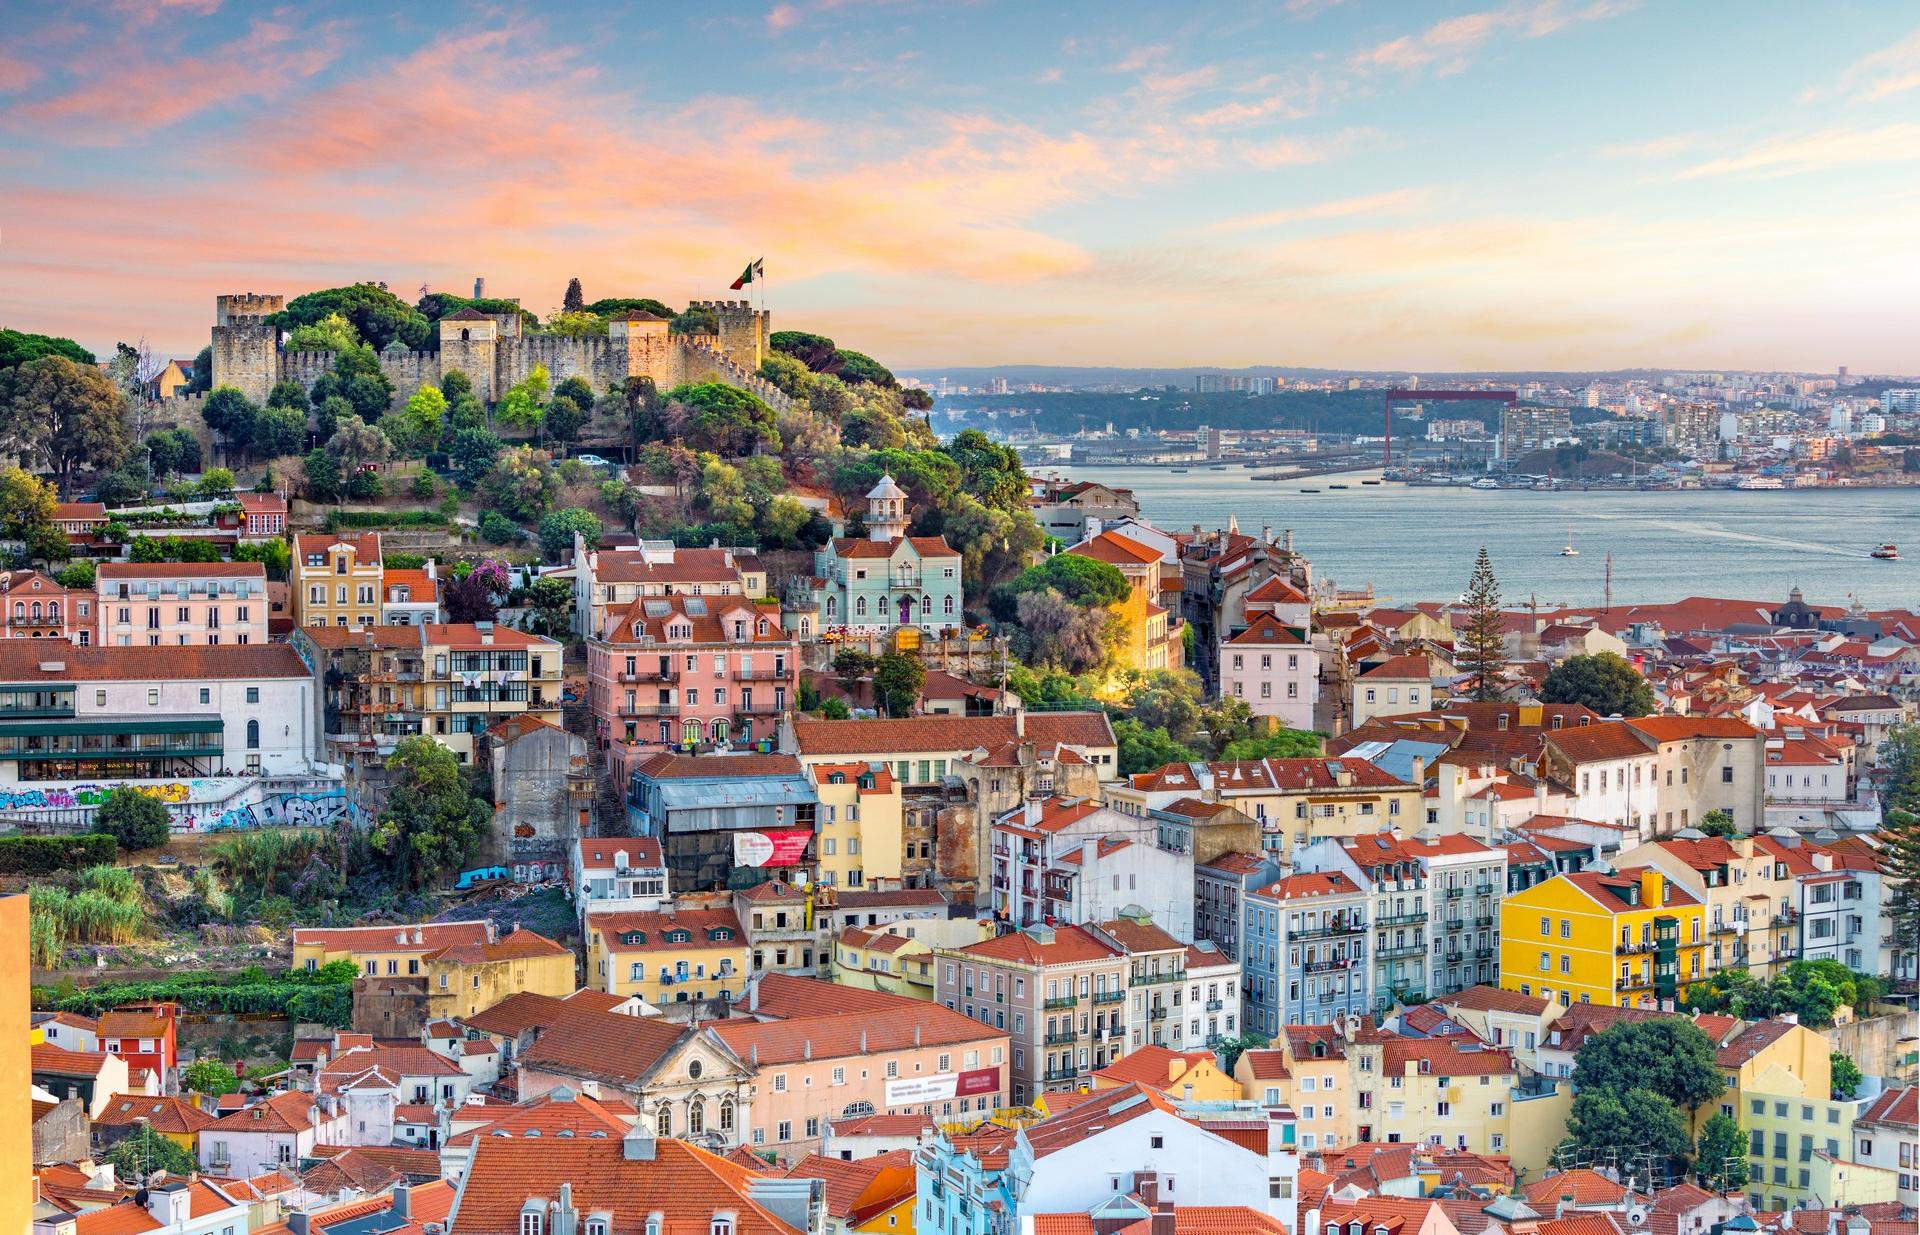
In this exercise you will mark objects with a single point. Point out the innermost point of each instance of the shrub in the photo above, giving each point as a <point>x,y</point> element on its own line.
<point>137,820</point>
<point>497,529</point>
<point>51,855</point>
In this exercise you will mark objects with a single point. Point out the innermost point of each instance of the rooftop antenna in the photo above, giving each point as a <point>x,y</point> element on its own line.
<point>1607,600</point>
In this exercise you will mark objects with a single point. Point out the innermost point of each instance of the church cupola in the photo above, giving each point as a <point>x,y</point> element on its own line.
<point>886,511</point>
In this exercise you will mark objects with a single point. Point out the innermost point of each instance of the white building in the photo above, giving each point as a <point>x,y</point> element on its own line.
<point>153,713</point>
<point>1887,1134</point>
<point>1076,861</point>
<point>273,1132</point>
<point>1611,771</point>
<point>619,874</point>
<point>1274,667</point>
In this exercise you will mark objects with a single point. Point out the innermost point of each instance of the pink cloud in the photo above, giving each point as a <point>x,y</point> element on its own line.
<point>1447,45</point>
<point>134,91</point>
<point>16,75</point>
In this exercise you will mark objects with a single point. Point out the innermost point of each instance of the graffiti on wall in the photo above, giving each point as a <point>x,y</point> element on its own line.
<point>71,797</point>
<point>212,805</point>
<point>282,810</point>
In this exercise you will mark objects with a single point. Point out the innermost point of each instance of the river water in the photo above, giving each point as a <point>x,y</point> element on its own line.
<point>1419,543</point>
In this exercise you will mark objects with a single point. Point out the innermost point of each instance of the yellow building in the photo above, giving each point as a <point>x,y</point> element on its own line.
<point>1153,639</point>
<point>465,978</point>
<point>1432,1091</point>
<point>1733,877</point>
<point>1189,1076</point>
<point>859,824</point>
<point>879,960</point>
<point>1315,1060</point>
<point>16,1072</point>
<point>383,951</point>
<point>176,1119</point>
<point>669,956</point>
<point>336,579</point>
<point>1630,939</point>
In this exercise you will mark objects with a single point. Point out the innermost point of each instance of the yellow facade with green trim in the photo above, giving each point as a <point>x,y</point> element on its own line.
<point>1632,939</point>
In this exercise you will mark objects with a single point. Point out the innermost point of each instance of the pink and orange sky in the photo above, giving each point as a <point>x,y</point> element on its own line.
<point>1535,184</point>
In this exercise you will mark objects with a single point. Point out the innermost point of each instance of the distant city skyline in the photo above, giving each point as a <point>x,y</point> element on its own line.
<point>1536,185</point>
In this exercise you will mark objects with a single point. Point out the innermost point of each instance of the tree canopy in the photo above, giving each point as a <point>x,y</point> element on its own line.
<point>431,821</point>
<point>1078,580</point>
<point>1483,642</point>
<point>377,316</point>
<point>70,414</point>
<point>1603,681</point>
<point>134,819</point>
<point>18,347</point>
<point>724,419</point>
<point>1668,1056</point>
<point>1811,990</point>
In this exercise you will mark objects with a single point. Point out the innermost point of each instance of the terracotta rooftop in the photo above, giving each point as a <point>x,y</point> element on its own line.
<point>37,660</point>
<point>913,734</point>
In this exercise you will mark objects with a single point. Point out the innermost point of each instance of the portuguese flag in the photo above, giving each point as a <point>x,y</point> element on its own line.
<point>756,269</point>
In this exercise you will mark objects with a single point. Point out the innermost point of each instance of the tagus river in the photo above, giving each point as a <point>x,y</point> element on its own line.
<point>1419,543</point>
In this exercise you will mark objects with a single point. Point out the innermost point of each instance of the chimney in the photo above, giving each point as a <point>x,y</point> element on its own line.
<point>797,1202</point>
<point>170,1203</point>
<point>299,1224</point>
<point>1033,813</point>
<point>1653,886</point>
<point>402,1200</point>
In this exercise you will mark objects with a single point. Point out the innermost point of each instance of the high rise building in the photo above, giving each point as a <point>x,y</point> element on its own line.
<point>1527,429</point>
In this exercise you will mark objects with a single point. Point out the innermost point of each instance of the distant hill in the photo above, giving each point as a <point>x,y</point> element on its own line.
<point>1092,375</point>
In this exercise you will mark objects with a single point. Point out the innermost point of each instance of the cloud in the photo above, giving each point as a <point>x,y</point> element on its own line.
<point>1168,87</point>
<point>1295,151</point>
<point>1296,100</point>
<point>140,88</point>
<point>1894,69</point>
<point>16,75</point>
<point>1654,147</point>
<point>782,17</point>
<point>1390,202</point>
<point>1142,57</point>
<point>1447,46</point>
<point>1813,152</point>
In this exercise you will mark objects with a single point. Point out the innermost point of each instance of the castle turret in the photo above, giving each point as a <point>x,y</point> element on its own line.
<point>649,347</point>
<point>470,343</point>
<point>246,346</point>
<point>743,330</point>
<point>886,511</point>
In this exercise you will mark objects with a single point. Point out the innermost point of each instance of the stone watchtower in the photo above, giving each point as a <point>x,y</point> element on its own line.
<point>743,330</point>
<point>649,347</point>
<point>470,344</point>
<point>246,347</point>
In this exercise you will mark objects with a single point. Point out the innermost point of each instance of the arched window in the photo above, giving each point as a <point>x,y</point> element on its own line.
<point>946,606</point>
<point>696,1116</point>
<point>253,735</point>
<point>726,1114</point>
<point>926,606</point>
<point>36,610</point>
<point>19,611</point>
<point>663,1120</point>
<point>690,731</point>
<point>833,607</point>
<point>465,334</point>
<point>859,606</point>
<point>53,611</point>
<point>720,728</point>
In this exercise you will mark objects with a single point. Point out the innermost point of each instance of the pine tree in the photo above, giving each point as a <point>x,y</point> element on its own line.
<point>576,300</point>
<point>1484,641</point>
<point>1899,755</point>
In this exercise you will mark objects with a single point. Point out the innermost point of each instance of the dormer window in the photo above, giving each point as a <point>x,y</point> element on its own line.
<point>722,1225</point>
<point>678,937</point>
<point>533,1218</point>
<point>719,934</point>
<point>597,1225</point>
<point>634,937</point>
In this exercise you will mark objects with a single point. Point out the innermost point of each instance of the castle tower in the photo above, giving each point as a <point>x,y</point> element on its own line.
<point>246,346</point>
<point>886,511</point>
<point>470,343</point>
<point>649,349</point>
<point>743,331</point>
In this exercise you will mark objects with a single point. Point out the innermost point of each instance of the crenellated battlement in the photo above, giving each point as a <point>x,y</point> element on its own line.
<point>234,305</point>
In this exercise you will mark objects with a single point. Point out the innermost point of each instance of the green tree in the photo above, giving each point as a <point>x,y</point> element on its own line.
<point>200,377</point>
<point>216,482</point>
<point>1483,641</point>
<point>27,504</point>
<point>1670,1057</point>
<point>614,305</point>
<point>575,300</point>
<point>210,1076</point>
<point>814,351</point>
<point>835,708</point>
<point>172,452</point>
<point>278,431</point>
<point>332,333</point>
<point>851,666</point>
<point>1078,580</point>
<point>1720,1156</point>
<point>275,555</point>
<point>1718,823</point>
<point>1230,1049</point>
<point>432,820</point>
<point>792,377</point>
<point>288,394</point>
<point>898,678</point>
<point>68,414</point>
<point>356,444</point>
<point>472,453</point>
<point>230,413</point>
<point>724,419</point>
<point>365,485</point>
<point>521,484</point>
<point>137,1155</point>
<point>1142,749</point>
<point>1280,744</point>
<point>17,348</point>
<point>1899,756</point>
<point>557,529</point>
<point>1628,1125</point>
<point>497,529</point>
<point>1846,1076</point>
<point>577,325</point>
<point>77,575</point>
<point>378,316</point>
<point>524,405</point>
<point>418,427</point>
<point>1603,681</point>
<point>323,476</point>
<point>134,819</point>
<point>991,473</point>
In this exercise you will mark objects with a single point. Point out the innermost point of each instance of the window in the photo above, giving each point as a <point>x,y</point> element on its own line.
<point>530,1221</point>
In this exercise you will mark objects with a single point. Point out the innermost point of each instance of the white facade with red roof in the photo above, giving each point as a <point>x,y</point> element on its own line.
<point>1065,860</point>
<point>1273,666</point>
<point>610,580</point>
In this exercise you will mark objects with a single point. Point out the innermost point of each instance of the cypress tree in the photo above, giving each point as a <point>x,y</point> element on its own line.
<point>576,300</point>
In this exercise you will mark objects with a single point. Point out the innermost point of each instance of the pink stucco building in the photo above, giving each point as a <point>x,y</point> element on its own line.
<point>676,670</point>
<point>180,604</point>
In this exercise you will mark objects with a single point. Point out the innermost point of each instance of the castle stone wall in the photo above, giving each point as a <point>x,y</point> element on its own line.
<point>601,361</point>
<point>475,358</point>
<point>409,371</point>
<point>304,367</point>
<point>743,330</point>
<point>245,304</point>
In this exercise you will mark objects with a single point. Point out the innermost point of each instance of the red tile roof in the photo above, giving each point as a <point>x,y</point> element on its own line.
<point>1307,885</point>
<point>1402,667</point>
<point>836,1029</point>
<point>1152,1065</point>
<point>1115,549</point>
<point>561,1110</point>
<point>431,936</point>
<point>107,572</point>
<point>1069,945</point>
<point>171,1114</point>
<point>913,734</point>
<point>1586,1187</point>
<point>643,852</point>
<point>1494,999</point>
<point>1267,1065</point>
<point>653,926</point>
<point>24,660</point>
<point>282,1112</point>
<point>1893,1106</point>
<point>669,766</point>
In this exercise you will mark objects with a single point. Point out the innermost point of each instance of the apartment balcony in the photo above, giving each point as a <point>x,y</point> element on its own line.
<point>670,674</point>
<point>1484,954</point>
<point>1786,917</point>
<point>1141,978</point>
<point>762,674</point>
<point>1356,927</point>
<point>1060,1039</point>
<point>1409,949</point>
<point>1726,928</point>
<point>1064,1001</point>
<point>1484,921</point>
<point>899,582</point>
<point>761,707</point>
<point>1103,997</point>
<point>1327,966</point>
<point>670,708</point>
<point>1157,1012</point>
<point>1635,949</point>
<point>1485,889</point>
<point>1399,919</point>
<point>1454,894</point>
<point>1215,1005</point>
<point>1052,1075</point>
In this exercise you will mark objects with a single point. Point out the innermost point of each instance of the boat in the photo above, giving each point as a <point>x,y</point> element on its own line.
<point>1309,490</point>
<point>1369,482</point>
<point>1886,553</point>
<point>1181,471</point>
<point>1485,482</point>
<point>1569,551</point>
<point>1216,467</point>
<point>1336,486</point>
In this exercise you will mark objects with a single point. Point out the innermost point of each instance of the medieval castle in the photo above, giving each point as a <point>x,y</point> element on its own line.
<point>495,354</point>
